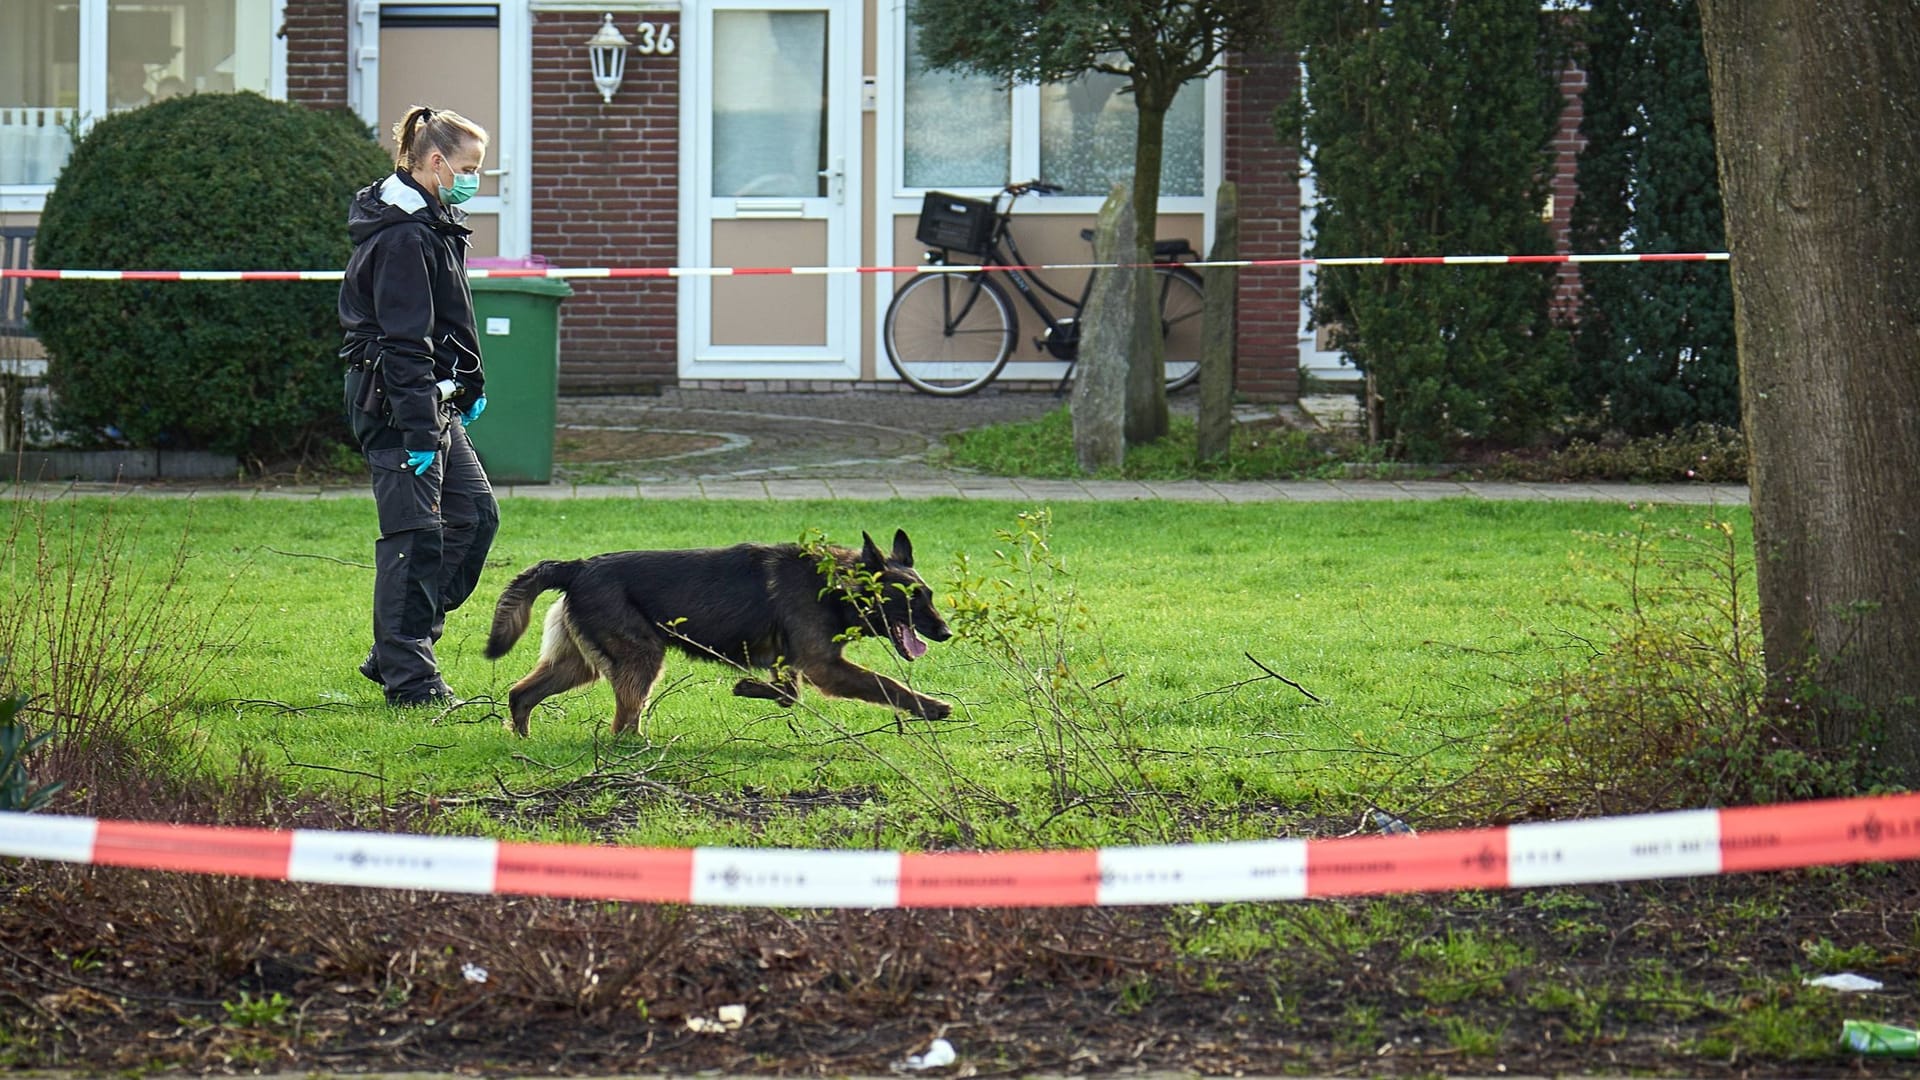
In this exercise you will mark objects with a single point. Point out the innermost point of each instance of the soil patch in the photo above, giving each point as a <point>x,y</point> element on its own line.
<point>581,445</point>
<point>112,969</point>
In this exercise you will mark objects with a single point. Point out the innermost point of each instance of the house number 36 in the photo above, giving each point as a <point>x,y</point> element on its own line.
<point>655,39</point>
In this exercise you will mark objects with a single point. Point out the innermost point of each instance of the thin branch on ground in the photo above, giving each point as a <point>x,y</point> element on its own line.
<point>324,558</point>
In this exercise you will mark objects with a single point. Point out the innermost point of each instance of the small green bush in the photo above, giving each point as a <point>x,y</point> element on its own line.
<point>203,182</point>
<point>1703,452</point>
<point>17,791</point>
<point>1043,448</point>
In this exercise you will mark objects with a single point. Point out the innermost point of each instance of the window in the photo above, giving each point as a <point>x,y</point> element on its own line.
<point>957,126</point>
<point>769,103</point>
<point>966,131</point>
<point>1087,129</point>
<point>65,63</point>
<point>157,49</point>
<point>39,88</point>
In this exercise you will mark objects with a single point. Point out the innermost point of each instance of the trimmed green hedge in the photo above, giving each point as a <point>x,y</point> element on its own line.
<point>204,182</point>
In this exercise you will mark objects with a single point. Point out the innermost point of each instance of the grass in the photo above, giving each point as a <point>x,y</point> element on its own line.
<point>1043,447</point>
<point>1403,621</point>
<point>1407,622</point>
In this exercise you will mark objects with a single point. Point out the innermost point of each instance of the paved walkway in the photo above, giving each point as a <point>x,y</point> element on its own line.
<point>878,444</point>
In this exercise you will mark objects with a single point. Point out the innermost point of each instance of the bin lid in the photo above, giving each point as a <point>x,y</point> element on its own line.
<point>536,286</point>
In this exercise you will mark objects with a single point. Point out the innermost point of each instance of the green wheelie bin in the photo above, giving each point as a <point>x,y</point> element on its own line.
<point>519,324</point>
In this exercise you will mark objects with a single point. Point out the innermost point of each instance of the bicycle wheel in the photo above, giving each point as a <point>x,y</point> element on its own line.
<point>1182,304</point>
<point>949,333</point>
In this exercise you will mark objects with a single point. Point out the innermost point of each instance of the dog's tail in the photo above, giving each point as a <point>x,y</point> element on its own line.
<point>515,609</point>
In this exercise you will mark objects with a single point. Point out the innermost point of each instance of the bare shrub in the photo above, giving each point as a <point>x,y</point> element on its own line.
<point>1021,613</point>
<point>105,645</point>
<point>1665,708</point>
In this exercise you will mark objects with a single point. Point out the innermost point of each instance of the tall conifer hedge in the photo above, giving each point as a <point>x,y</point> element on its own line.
<point>1429,126</point>
<point>1655,340</point>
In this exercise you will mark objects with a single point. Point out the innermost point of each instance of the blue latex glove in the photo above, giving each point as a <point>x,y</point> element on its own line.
<point>420,461</point>
<point>473,413</point>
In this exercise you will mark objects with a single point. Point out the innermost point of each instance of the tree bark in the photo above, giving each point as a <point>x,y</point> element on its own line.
<point>1215,437</point>
<point>1100,377</point>
<point>1146,367</point>
<point>1817,115</point>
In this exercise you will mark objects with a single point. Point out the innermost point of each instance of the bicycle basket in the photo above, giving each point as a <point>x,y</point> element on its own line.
<point>956,223</point>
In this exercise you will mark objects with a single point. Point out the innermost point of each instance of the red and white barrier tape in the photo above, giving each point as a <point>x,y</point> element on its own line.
<point>1687,843</point>
<point>617,272</point>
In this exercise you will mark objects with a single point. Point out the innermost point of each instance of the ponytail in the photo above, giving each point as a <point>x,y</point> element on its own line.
<point>425,129</point>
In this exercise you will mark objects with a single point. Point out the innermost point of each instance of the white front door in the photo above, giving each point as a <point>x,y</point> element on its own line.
<point>473,59</point>
<point>770,111</point>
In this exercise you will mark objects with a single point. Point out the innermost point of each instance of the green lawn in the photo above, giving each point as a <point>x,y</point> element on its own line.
<point>1407,621</point>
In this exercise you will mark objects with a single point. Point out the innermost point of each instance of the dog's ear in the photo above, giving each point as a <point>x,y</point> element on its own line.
<point>870,554</point>
<point>902,548</point>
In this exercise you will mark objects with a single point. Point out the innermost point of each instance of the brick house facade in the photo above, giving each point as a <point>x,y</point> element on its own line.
<point>607,185</point>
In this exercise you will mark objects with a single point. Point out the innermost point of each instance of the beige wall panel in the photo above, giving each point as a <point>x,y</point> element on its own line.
<point>454,68</point>
<point>486,234</point>
<point>774,309</point>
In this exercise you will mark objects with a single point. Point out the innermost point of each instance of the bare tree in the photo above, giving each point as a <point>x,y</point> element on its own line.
<point>1157,46</point>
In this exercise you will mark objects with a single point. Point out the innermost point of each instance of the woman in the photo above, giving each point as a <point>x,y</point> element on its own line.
<point>414,381</point>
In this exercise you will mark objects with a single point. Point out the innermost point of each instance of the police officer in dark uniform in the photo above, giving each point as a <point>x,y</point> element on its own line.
<point>414,381</point>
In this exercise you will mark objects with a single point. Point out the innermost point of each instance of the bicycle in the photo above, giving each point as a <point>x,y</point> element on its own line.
<point>950,332</point>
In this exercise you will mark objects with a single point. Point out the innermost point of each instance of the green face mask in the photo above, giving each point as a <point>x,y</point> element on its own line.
<point>465,186</point>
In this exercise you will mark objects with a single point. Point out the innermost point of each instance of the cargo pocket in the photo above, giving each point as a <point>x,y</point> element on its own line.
<point>405,501</point>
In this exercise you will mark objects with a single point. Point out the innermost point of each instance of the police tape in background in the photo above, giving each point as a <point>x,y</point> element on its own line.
<point>615,272</point>
<point>1687,843</point>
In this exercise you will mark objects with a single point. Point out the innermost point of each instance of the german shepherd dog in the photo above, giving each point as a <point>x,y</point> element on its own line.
<point>779,607</point>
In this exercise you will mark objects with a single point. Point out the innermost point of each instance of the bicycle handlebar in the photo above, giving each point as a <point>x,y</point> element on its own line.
<point>1036,187</point>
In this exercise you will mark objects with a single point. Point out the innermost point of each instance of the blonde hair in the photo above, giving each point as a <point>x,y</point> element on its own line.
<point>425,129</point>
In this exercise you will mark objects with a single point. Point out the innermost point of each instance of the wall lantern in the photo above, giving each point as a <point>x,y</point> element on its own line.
<point>608,49</point>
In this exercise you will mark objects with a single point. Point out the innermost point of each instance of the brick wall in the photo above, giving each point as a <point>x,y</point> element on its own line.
<point>316,32</point>
<point>1567,145</point>
<point>1267,353</point>
<point>607,190</point>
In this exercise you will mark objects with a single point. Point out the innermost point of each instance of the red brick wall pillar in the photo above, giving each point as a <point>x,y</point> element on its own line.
<point>1267,352</point>
<point>1567,144</point>
<point>316,33</point>
<point>606,193</point>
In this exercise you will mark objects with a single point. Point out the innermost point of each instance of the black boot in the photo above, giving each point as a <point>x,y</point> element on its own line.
<point>371,669</point>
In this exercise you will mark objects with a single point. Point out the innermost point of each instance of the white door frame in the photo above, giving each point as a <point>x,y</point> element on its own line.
<point>510,156</point>
<point>1327,365</point>
<point>839,358</point>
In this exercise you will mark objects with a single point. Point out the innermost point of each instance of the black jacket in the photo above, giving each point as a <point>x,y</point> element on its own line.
<point>405,306</point>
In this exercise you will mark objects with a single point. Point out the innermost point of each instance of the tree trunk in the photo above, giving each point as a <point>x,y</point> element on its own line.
<point>1146,367</point>
<point>1817,115</point>
<point>1100,375</point>
<point>1216,351</point>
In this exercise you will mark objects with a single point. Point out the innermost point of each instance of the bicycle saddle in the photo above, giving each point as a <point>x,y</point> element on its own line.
<point>1163,250</point>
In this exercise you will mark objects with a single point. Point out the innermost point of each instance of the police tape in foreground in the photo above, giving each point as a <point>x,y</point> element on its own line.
<point>1686,843</point>
<point>627,272</point>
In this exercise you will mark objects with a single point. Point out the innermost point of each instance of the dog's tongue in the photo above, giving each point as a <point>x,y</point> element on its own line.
<point>910,643</point>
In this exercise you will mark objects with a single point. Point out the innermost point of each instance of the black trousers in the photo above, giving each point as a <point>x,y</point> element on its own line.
<point>435,532</point>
